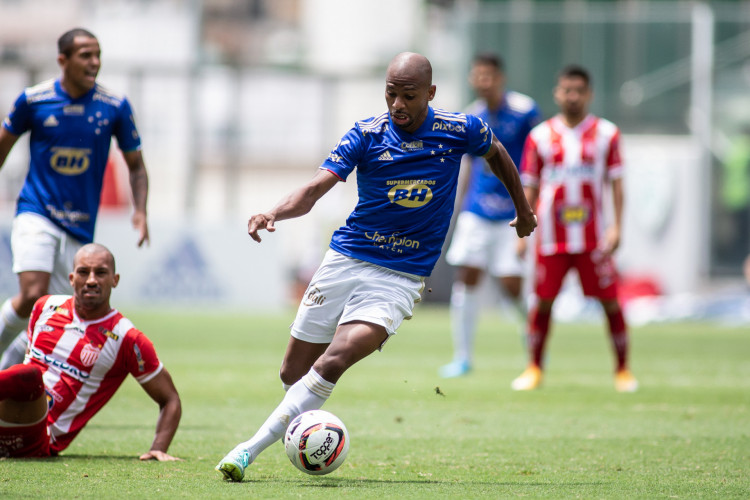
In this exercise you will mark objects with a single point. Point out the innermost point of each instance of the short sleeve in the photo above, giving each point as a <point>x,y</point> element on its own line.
<point>534,117</point>
<point>346,155</point>
<point>531,163</point>
<point>140,357</point>
<point>614,159</point>
<point>480,136</point>
<point>35,313</point>
<point>125,130</point>
<point>19,119</point>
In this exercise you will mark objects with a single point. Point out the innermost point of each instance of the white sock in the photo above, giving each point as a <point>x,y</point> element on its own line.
<point>309,393</point>
<point>16,351</point>
<point>10,324</point>
<point>464,309</point>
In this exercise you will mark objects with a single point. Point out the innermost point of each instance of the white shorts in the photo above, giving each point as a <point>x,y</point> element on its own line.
<point>485,244</point>
<point>345,289</point>
<point>39,245</point>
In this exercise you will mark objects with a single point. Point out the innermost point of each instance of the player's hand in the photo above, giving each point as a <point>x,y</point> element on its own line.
<point>611,240</point>
<point>141,225</point>
<point>524,225</point>
<point>258,222</point>
<point>159,456</point>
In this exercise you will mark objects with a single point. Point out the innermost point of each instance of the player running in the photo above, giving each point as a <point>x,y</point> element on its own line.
<point>407,163</point>
<point>72,120</point>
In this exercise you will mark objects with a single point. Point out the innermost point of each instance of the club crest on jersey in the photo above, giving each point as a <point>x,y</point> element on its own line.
<point>410,195</point>
<point>89,354</point>
<point>70,161</point>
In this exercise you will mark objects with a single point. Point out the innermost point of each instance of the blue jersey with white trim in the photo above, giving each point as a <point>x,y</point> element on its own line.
<point>406,185</point>
<point>69,146</point>
<point>486,195</point>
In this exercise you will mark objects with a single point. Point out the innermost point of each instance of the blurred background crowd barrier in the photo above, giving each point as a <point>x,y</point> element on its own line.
<point>238,101</point>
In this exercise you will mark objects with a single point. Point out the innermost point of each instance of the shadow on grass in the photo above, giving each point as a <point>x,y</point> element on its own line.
<point>362,482</point>
<point>81,457</point>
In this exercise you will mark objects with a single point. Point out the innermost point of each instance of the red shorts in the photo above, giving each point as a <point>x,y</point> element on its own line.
<point>24,440</point>
<point>597,273</point>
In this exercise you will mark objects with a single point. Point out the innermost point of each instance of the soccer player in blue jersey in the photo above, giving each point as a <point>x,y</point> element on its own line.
<point>72,120</point>
<point>482,239</point>
<point>407,162</point>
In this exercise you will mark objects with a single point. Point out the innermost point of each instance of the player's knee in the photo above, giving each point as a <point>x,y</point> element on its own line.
<point>289,375</point>
<point>28,296</point>
<point>22,383</point>
<point>331,367</point>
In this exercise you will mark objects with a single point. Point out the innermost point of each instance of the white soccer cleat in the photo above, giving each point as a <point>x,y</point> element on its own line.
<point>234,463</point>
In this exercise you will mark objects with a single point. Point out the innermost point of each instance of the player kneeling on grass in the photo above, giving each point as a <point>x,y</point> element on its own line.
<point>80,351</point>
<point>407,162</point>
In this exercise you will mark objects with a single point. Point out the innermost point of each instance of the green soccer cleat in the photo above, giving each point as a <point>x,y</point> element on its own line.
<point>233,465</point>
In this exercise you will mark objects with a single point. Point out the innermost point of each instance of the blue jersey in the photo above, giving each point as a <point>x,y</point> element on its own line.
<point>406,185</point>
<point>69,145</point>
<point>486,196</point>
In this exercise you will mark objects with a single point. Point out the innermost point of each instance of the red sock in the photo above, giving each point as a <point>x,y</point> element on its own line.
<point>619,335</point>
<point>538,331</point>
<point>21,383</point>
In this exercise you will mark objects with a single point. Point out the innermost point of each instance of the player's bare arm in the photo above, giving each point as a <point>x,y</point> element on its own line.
<point>7,140</point>
<point>139,187</point>
<point>503,167</point>
<point>163,392</point>
<point>532,193</point>
<point>295,204</point>
<point>612,235</point>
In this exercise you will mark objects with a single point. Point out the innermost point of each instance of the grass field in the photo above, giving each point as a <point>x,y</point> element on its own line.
<point>685,434</point>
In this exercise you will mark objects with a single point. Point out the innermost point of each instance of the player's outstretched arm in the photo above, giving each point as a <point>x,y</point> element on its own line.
<point>139,187</point>
<point>503,167</point>
<point>162,390</point>
<point>7,140</point>
<point>295,204</point>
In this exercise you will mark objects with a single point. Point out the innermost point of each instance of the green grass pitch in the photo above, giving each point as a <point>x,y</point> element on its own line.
<point>685,434</point>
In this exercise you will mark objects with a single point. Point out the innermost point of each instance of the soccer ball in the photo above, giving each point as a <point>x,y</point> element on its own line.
<point>316,442</point>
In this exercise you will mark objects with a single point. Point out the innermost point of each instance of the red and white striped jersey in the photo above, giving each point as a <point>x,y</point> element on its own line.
<point>83,362</point>
<point>571,166</point>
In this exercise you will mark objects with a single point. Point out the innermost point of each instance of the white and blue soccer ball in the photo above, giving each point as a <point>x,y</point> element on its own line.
<point>316,442</point>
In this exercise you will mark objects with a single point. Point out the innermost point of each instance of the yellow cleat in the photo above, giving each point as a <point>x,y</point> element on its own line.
<point>530,379</point>
<point>625,381</point>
